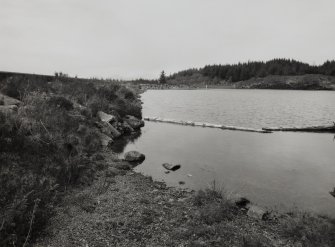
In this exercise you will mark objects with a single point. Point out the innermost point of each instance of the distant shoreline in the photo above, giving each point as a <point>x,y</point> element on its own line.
<point>145,87</point>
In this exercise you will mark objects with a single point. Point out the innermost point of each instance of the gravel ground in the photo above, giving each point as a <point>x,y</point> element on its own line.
<point>124,208</point>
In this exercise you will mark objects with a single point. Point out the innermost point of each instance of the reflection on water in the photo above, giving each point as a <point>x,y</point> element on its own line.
<point>281,170</point>
<point>120,144</point>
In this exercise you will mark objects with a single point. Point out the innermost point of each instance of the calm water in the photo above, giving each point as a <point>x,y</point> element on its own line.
<point>244,108</point>
<point>278,170</point>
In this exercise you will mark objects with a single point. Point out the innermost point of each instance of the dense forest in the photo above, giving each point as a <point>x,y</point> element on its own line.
<point>245,71</point>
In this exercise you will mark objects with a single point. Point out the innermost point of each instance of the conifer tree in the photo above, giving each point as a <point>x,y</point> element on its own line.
<point>162,78</point>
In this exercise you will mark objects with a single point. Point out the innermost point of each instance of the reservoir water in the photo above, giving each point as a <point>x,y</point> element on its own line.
<point>283,170</point>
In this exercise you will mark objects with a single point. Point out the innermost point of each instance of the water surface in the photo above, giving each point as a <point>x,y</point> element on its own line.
<point>245,108</point>
<point>278,170</point>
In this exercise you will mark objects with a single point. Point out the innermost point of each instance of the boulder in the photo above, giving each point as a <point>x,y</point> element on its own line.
<point>109,130</point>
<point>6,100</point>
<point>127,128</point>
<point>104,117</point>
<point>257,212</point>
<point>171,167</point>
<point>105,140</point>
<point>134,156</point>
<point>239,201</point>
<point>134,122</point>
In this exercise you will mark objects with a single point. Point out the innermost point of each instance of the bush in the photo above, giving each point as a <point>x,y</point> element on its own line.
<point>34,161</point>
<point>60,102</point>
<point>17,86</point>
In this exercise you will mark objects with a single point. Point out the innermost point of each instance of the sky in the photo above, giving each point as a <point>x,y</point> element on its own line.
<point>128,39</point>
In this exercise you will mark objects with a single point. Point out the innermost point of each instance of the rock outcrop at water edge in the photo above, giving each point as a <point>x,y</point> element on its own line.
<point>134,156</point>
<point>134,122</point>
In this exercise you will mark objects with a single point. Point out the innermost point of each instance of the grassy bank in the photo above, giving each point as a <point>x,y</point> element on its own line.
<point>49,138</point>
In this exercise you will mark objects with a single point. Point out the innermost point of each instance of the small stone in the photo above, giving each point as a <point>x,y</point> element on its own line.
<point>240,201</point>
<point>104,117</point>
<point>181,182</point>
<point>171,167</point>
<point>256,212</point>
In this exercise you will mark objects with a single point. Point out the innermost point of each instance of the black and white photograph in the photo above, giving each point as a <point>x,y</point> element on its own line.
<point>167,123</point>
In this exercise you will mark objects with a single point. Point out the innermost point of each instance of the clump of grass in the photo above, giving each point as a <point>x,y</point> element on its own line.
<point>214,206</point>
<point>211,194</point>
<point>60,102</point>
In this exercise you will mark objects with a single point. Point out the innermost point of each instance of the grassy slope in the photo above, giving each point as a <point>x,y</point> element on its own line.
<point>49,145</point>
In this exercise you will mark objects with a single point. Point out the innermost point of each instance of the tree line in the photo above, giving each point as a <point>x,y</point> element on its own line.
<point>245,71</point>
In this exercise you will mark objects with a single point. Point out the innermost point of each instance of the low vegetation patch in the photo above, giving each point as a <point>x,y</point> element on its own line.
<point>47,146</point>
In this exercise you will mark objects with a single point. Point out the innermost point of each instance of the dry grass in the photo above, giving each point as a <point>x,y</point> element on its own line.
<point>45,147</point>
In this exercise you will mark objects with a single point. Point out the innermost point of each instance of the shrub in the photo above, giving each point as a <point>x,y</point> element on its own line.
<point>33,161</point>
<point>17,86</point>
<point>60,102</point>
<point>45,147</point>
<point>212,194</point>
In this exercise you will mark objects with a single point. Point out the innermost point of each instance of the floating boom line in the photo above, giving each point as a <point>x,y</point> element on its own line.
<point>324,128</point>
<point>207,125</point>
